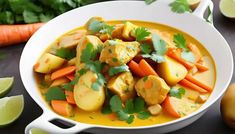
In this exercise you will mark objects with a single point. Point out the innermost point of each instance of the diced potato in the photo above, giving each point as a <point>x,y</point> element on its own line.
<point>117,32</point>
<point>155,109</point>
<point>95,41</point>
<point>171,71</point>
<point>182,106</point>
<point>71,40</point>
<point>47,63</point>
<point>120,53</point>
<point>59,81</point>
<point>85,97</point>
<point>153,89</point>
<point>202,98</point>
<point>123,86</point>
<point>128,27</point>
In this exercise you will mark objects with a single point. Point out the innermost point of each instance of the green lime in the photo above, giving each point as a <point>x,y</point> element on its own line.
<point>5,85</point>
<point>227,8</point>
<point>10,109</point>
<point>38,131</point>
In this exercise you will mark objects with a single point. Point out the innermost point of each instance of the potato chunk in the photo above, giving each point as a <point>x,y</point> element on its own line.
<point>155,109</point>
<point>119,53</point>
<point>123,86</point>
<point>85,97</point>
<point>71,40</point>
<point>153,89</point>
<point>128,27</point>
<point>47,63</point>
<point>171,71</point>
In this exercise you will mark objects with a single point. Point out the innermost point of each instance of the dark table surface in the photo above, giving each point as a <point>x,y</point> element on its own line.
<point>209,123</point>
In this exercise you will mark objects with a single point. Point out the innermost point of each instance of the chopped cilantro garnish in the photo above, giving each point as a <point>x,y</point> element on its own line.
<point>129,107</point>
<point>118,69</point>
<point>66,53</point>
<point>160,48</point>
<point>106,110</point>
<point>180,6</point>
<point>55,93</point>
<point>141,33</point>
<point>69,86</point>
<point>177,92</point>
<point>99,82</point>
<point>188,56</point>
<point>145,78</point>
<point>139,104</point>
<point>143,115</point>
<point>148,2</point>
<point>88,53</point>
<point>96,26</point>
<point>115,103</point>
<point>145,48</point>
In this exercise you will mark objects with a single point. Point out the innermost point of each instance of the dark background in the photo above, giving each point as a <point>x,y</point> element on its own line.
<point>209,123</point>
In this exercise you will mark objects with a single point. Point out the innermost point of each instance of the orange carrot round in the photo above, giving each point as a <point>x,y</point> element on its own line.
<point>62,72</point>
<point>13,34</point>
<point>147,69</point>
<point>134,67</point>
<point>62,107</point>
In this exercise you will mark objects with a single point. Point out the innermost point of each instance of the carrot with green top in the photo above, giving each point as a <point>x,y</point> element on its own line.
<point>198,83</point>
<point>62,72</point>
<point>134,67</point>
<point>147,69</point>
<point>187,83</point>
<point>62,107</point>
<point>69,97</point>
<point>13,34</point>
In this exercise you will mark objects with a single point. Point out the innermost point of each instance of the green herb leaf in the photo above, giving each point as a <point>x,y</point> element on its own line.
<point>66,53</point>
<point>129,107</point>
<point>141,33</point>
<point>115,103</point>
<point>177,92</point>
<point>180,42</point>
<point>145,78</point>
<point>95,25</point>
<point>88,53</point>
<point>122,115</point>
<point>130,119</point>
<point>148,2</point>
<point>180,6</point>
<point>107,29</point>
<point>69,86</point>
<point>143,115</point>
<point>99,82</point>
<point>106,110</point>
<point>30,17</point>
<point>188,56</point>
<point>6,17</point>
<point>139,104</point>
<point>145,49</point>
<point>55,93</point>
<point>45,17</point>
<point>118,69</point>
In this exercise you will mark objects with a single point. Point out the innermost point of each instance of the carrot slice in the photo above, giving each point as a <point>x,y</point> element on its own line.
<point>134,67</point>
<point>69,97</point>
<point>200,67</point>
<point>198,83</point>
<point>70,77</point>
<point>175,54</point>
<point>62,72</point>
<point>191,85</point>
<point>169,108</point>
<point>147,69</point>
<point>62,107</point>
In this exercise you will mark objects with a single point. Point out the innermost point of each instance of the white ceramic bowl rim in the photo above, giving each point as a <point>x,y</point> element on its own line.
<point>56,27</point>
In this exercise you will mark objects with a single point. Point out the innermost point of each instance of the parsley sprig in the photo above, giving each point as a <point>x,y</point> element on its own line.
<point>160,49</point>
<point>97,26</point>
<point>180,6</point>
<point>177,92</point>
<point>141,33</point>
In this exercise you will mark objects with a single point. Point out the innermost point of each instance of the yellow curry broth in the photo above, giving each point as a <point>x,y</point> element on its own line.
<point>207,77</point>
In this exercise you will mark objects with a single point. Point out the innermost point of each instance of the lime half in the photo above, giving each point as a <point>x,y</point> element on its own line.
<point>227,8</point>
<point>5,85</point>
<point>10,109</point>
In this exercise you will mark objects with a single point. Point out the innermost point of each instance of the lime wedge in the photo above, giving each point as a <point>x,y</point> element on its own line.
<point>10,109</point>
<point>5,85</point>
<point>227,8</point>
<point>38,131</point>
<point>193,3</point>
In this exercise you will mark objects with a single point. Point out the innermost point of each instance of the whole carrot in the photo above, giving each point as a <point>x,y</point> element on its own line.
<point>13,34</point>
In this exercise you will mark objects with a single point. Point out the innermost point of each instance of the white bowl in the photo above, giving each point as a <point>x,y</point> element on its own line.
<point>191,23</point>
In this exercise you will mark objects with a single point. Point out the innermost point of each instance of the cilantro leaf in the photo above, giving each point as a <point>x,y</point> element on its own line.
<point>145,48</point>
<point>107,29</point>
<point>99,82</point>
<point>118,69</point>
<point>30,17</point>
<point>180,6</point>
<point>6,17</point>
<point>69,86</point>
<point>139,104</point>
<point>148,2</point>
<point>129,107</point>
<point>180,42</point>
<point>143,115</point>
<point>55,93</point>
<point>88,53</point>
<point>188,56</point>
<point>96,26</point>
<point>130,119</point>
<point>106,110</point>
<point>177,92</point>
<point>122,115</point>
<point>66,53</point>
<point>145,78</point>
<point>141,33</point>
<point>115,103</point>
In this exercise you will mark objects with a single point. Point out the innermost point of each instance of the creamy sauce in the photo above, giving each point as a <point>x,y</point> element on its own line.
<point>208,77</point>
